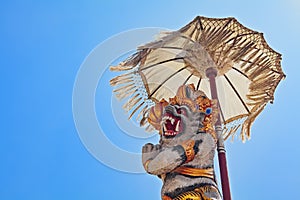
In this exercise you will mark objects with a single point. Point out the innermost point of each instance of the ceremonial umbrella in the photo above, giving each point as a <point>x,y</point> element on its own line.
<point>221,57</point>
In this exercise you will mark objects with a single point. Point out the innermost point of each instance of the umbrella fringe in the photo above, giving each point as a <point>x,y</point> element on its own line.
<point>213,35</point>
<point>144,121</point>
<point>135,58</point>
<point>231,46</point>
<point>231,131</point>
<point>251,67</point>
<point>120,67</point>
<point>131,102</point>
<point>253,54</point>
<point>142,113</point>
<point>234,132</point>
<point>198,35</point>
<point>262,78</point>
<point>129,80</point>
<point>245,132</point>
<point>127,87</point>
<point>232,126</point>
<point>209,33</point>
<point>149,128</point>
<point>231,54</point>
<point>257,71</point>
<point>265,64</point>
<point>244,51</point>
<point>257,97</point>
<point>163,38</point>
<point>131,62</point>
<point>215,42</point>
<point>125,78</point>
<point>261,86</point>
<point>235,119</point>
<point>254,102</point>
<point>137,108</point>
<point>257,92</point>
<point>225,133</point>
<point>123,95</point>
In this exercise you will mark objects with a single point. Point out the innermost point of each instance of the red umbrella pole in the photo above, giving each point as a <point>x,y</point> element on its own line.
<point>211,73</point>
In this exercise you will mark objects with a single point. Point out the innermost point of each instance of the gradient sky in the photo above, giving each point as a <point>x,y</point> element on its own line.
<point>43,45</point>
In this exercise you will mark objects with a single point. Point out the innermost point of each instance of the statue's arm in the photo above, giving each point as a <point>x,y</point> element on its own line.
<point>157,160</point>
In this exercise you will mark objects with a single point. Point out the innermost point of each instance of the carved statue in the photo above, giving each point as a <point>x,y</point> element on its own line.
<point>184,157</point>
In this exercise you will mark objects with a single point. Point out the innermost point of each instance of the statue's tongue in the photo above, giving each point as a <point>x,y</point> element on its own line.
<point>170,126</point>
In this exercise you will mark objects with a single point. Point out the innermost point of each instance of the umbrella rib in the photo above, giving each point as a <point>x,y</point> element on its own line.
<point>185,37</point>
<point>162,62</point>
<point>229,20</point>
<point>198,84</point>
<point>240,72</point>
<point>187,79</point>
<point>200,23</point>
<point>275,71</point>
<point>167,47</point>
<point>156,89</point>
<point>236,92</point>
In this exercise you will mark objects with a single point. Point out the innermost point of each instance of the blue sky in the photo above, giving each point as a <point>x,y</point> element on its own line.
<point>43,45</point>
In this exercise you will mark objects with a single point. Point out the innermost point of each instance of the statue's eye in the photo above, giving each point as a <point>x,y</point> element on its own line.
<point>208,111</point>
<point>181,111</point>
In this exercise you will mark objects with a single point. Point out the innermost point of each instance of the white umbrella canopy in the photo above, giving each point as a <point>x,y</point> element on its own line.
<point>248,70</point>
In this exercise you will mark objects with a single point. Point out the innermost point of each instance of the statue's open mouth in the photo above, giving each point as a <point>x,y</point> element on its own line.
<point>172,125</point>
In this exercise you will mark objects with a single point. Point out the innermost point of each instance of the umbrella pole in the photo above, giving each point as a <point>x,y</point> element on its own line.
<point>211,73</point>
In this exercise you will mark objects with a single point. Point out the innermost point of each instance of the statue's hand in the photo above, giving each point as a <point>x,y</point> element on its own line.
<point>149,152</point>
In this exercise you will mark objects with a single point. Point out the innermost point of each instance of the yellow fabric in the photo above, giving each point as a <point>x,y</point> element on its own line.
<point>208,173</point>
<point>196,194</point>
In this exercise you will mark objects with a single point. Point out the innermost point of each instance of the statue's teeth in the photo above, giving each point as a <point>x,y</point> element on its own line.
<point>177,126</point>
<point>172,121</point>
<point>165,128</point>
<point>165,118</point>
